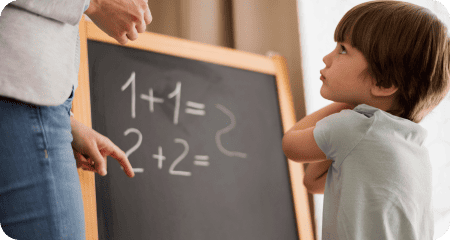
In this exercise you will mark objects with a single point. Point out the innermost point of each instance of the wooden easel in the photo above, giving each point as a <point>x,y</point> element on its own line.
<point>274,65</point>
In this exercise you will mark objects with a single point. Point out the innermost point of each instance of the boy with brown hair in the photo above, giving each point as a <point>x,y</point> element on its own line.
<point>390,68</point>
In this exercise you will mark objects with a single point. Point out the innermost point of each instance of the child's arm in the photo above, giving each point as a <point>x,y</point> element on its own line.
<point>316,172</point>
<point>316,176</point>
<point>299,143</point>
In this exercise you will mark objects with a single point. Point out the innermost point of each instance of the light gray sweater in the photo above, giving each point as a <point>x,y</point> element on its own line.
<point>39,50</point>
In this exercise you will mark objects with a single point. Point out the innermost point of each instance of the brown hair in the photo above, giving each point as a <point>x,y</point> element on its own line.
<point>406,46</point>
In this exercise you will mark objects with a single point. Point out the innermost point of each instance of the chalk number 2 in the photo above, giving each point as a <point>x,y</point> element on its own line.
<point>174,164</point>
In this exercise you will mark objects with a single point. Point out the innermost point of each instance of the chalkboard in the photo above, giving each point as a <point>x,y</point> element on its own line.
<point>204,141</point>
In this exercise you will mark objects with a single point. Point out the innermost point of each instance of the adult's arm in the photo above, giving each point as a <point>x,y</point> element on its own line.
<point>120,19</point>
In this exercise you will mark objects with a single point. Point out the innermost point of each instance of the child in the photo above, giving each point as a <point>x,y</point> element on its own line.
<point>390,68</point>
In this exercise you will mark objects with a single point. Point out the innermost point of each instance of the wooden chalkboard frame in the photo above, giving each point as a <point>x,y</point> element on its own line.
<point>272,65</point>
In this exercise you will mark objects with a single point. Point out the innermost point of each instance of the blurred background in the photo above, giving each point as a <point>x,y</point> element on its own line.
<point>301,31</point>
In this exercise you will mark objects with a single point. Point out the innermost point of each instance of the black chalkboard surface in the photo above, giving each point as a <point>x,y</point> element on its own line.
<point>204,141</point>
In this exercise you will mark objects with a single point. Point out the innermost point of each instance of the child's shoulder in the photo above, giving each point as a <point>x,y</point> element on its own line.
<point>359,118</point>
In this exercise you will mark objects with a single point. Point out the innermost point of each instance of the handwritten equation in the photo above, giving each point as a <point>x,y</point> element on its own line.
<point>192,108</point>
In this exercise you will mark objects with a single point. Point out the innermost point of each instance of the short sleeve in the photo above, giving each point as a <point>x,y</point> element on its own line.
<point>337,134</point>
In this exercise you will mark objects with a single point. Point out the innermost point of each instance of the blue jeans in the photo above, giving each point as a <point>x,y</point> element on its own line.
<point>40,193</point>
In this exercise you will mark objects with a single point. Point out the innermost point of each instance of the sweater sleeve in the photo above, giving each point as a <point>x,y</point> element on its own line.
<point>66,11</point>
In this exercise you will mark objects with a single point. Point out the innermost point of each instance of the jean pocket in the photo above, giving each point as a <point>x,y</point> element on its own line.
<point>68,102</point>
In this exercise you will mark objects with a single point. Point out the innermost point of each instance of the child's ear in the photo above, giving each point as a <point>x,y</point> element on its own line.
<point>379,91</point>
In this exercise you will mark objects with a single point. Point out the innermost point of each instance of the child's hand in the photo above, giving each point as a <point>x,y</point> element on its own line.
<point>316,176</point>
<point>91,149</point>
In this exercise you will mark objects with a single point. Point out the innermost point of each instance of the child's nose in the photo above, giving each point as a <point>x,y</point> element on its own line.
<point>327,60</point>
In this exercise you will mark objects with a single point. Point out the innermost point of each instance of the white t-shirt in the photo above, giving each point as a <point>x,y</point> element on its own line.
<point>379,184</point>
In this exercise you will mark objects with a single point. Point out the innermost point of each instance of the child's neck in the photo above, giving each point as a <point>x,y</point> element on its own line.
<point>382,103</point>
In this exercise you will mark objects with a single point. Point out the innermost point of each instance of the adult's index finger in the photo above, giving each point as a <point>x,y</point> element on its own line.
<point>120,156</point>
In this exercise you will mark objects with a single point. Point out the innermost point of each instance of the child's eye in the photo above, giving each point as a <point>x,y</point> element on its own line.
<point>342,49</point>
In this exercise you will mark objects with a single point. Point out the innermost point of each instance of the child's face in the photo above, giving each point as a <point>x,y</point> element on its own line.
<point>343,78</point>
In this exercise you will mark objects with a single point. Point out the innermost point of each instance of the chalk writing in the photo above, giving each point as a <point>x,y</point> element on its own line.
<point>226,130</point>
<point>193,108</point>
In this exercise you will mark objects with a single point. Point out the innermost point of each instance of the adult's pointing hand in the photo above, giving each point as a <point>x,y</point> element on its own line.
<point>91,149</point>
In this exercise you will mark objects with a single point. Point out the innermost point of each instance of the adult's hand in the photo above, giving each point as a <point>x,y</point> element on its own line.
<point>91,149</point>
<point>120,19</point>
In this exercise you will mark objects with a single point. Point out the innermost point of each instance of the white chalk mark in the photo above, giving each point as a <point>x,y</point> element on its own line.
<point>201,163</point>
<point>195,112</point>
<point>136,170</point>
<point>132,81</point>
<point>160,157</point>
<point>226,130</point>
<point>151,99</point>
<point>179,159</point>
<point>201,157</point>
<point>136,146</point>
<point>201,160</point>
<point>176,92</point>
<point>195,105</point>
